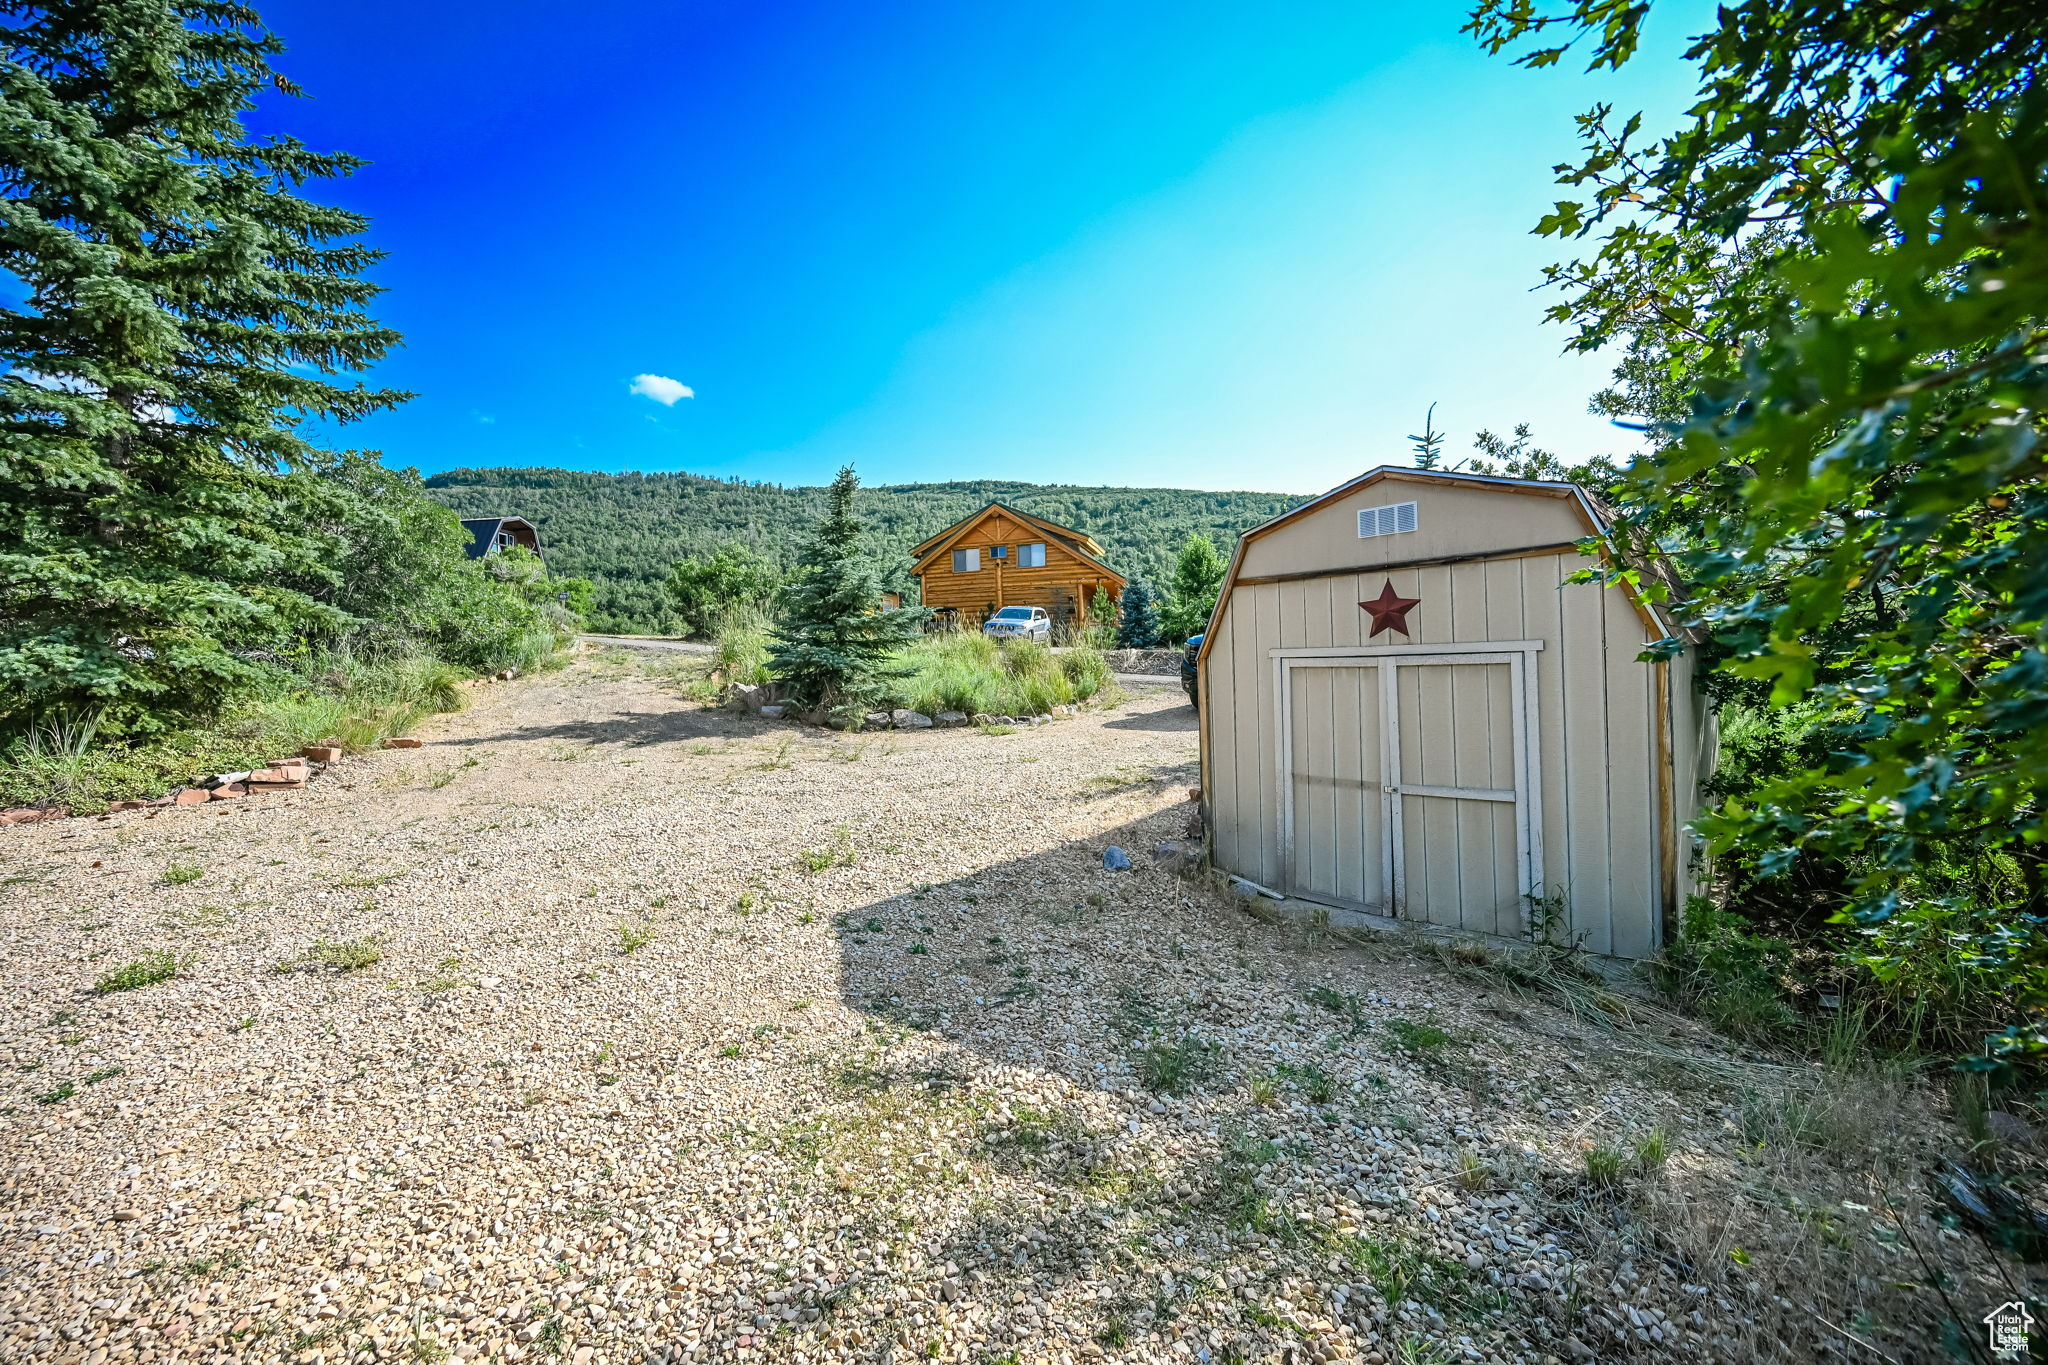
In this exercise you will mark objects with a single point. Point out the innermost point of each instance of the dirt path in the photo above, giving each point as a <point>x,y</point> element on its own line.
<point>693,1036</point>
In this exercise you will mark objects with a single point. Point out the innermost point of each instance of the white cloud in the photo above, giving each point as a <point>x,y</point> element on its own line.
<point>661,389</point>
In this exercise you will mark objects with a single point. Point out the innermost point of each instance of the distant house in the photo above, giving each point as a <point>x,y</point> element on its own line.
<point>487,535</point>
<point>1000,557</point>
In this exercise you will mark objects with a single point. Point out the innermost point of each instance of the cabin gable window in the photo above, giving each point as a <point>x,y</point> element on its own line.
<point>1031,556</point>
<point>999,551</point>
<point>967,561</point>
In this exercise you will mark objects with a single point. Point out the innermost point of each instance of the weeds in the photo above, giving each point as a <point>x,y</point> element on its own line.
<point>180,874</point>
<point>839,853</point>
<point>1173,1066</point>
<point>1418,1040</point>
<point>634,937</point>
<point>345,955</point>
<point>150,969</point>
<point>1347,1007</point>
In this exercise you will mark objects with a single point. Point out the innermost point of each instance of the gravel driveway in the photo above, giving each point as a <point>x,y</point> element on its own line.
<point>694,1036</point>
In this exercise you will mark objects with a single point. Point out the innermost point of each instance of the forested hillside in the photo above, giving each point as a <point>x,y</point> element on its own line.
<point>625,531</point>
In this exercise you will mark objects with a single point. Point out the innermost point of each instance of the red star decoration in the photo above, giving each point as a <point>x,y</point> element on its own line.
<point>1389,611</point>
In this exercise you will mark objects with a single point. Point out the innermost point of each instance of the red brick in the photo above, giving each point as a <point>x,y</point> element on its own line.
<point>127,805</point>
<point>227,791</point>
<point>261,788</point>
<point>192,796</point>
<point>322,753</point>
<point>401,742</point>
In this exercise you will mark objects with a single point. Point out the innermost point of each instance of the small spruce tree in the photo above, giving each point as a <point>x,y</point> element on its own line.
<point>831,646</point>
<point>1139,628</point>
<point>1429,446</point>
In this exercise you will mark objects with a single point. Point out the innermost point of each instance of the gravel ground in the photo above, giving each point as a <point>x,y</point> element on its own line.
<point>691,1036</point>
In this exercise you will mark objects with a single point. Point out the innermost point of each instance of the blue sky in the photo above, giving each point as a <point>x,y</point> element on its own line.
<point>1203,245</point>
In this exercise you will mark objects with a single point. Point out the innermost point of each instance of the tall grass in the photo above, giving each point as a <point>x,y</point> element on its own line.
<point>740,638</point>
<point>967,671</point>
<point>351,699</point>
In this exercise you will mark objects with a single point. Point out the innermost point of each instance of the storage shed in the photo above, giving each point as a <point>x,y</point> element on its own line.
<point>1407,710</point>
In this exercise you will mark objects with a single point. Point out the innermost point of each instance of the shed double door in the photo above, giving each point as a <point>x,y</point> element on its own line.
<point>1407,787</point>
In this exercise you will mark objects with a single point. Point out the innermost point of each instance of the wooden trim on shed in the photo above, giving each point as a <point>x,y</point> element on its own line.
<point>1559,548</point>
<point>1661,721</point>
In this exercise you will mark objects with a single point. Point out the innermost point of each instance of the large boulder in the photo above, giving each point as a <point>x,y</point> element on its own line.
<point>909,720</point>
<point>875,720</point>
<point>951,718</point>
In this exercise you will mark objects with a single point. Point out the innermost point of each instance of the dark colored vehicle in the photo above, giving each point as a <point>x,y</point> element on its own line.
<point>1187,671</point>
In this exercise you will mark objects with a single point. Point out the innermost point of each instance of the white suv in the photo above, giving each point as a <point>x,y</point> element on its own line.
<point>1019,623</point>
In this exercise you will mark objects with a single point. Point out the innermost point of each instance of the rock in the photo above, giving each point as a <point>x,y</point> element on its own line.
<point>191,796</point>
<point>401,742</point>
<point>950,718</point>
<point>875,720</point>
<point>745,697</point>
<point>1579,1349</point>
<point>507,674</point>
<point>1115,859</point>
<point>1006,720</point>
<point>227,791</point>
<point>29,816</point>
<point>322,753</point>
<point>773,712</point>
<point>910,720</point>
<point>1177,857</point>
<point>2009,1129</point>
<point>983,718</point>
<point>127,805</point>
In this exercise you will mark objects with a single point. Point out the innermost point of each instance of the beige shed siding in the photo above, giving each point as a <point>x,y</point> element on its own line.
<point>1449,521</point>
<point>1595,711</point>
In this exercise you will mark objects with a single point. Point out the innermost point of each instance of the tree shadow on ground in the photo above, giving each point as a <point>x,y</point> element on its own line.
<point>639,729</point>
<point>1177,720</point>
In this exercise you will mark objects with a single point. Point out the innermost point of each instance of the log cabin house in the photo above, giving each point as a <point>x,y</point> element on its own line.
<point>1000,557</point>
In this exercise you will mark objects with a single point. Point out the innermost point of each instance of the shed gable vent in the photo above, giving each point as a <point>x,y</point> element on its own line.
<point>1386,521</point>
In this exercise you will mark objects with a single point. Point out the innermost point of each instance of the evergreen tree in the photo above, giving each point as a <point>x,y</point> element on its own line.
<point>832,641</point>
<point>1429,446</point>
<point>1139,628</point>
<point>1191,597</point>
<point>183,310</point>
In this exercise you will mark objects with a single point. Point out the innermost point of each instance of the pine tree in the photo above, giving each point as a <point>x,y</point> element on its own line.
<point>1429,446</point>
<point>832,642</point>
<point>1139,628</point>
<point>1191,597</point>
<point>184,307</point>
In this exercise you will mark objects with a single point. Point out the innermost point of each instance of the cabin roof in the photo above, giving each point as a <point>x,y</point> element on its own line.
<point>1079,544</point>
<point>1081,539</point>
<point>484,530</point>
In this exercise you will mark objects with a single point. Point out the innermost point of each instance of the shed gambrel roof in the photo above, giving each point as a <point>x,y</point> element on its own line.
<point>1655,621</point>
<point>1078,543</point>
